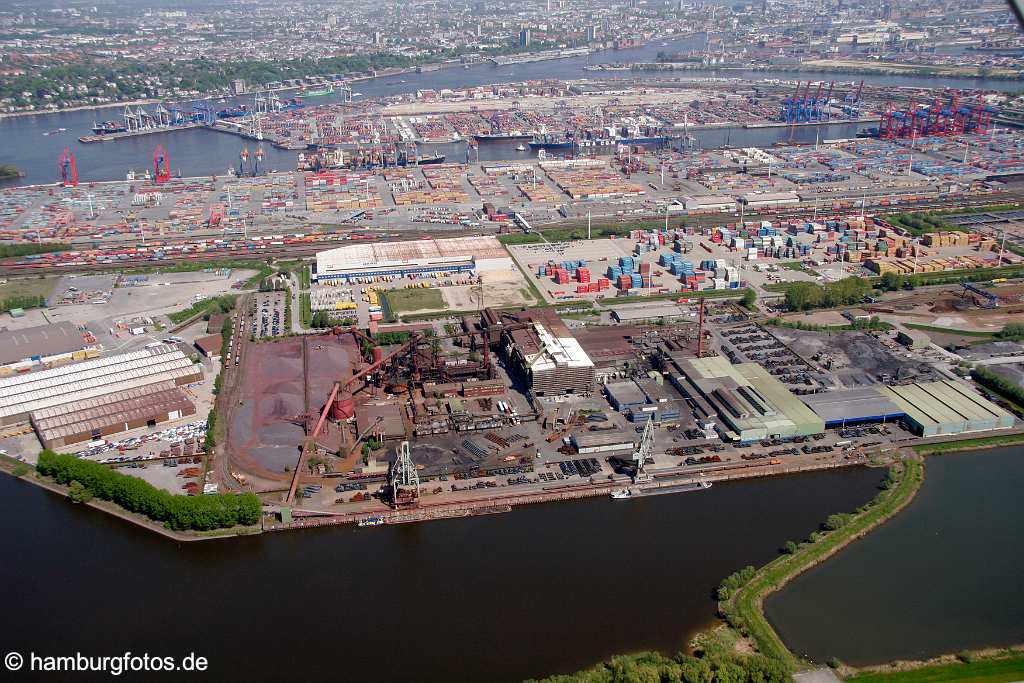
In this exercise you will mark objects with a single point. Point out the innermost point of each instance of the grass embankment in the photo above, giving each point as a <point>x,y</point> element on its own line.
<point>743,606</point>
<point>999,668</point>
<point>217,304</point>
<point>15,250</point>
<point>969,444</point>
<point>416,299</point>
<point>263,270</point>
<point>873,324</point>
<point>710,294</point>
<point>306,314</point>
<point>949,330</point>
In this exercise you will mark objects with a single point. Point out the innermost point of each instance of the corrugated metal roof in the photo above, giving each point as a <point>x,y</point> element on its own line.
<point>132,405</point>
<point>409,252</point>
<point>948,406</point>
<point>87,380</point>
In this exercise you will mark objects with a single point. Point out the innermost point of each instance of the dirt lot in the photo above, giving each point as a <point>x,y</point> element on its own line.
<point>263,438</point>
<point>857,357</point>
<point>499,289</point>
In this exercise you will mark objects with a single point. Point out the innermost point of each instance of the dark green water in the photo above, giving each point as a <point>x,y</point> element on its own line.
<point>544,589</point>
<point>944,575</point>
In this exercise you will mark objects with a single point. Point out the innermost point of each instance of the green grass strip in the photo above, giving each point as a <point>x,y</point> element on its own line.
<point>744,609</point>
<point>999,669</point>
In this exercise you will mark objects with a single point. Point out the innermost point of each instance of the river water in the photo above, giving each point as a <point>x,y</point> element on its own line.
<point>203,152</point>
<point>942,576</point>
<point>541,590</point>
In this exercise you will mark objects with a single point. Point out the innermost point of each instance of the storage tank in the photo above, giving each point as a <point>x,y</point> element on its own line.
<point>344,407</point>
<point>378,354</point>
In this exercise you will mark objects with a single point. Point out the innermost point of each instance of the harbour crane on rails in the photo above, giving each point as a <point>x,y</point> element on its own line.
<point>161,165</point>
<point>403,487</point>
<point>68,169</point>
<point>644,451</point>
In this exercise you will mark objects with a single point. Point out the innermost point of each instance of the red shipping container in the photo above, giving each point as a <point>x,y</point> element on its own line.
<point>582,289</point>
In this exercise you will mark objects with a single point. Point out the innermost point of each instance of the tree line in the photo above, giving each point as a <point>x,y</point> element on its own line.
<point>200,513</point>
<point>998,384</point>
<point>803,296</point>
<point>16,250</point>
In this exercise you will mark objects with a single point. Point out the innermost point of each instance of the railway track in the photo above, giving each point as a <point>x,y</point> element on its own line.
<point>308,249</point>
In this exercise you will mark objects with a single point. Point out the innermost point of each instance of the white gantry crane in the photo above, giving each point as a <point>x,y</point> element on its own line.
<point>403,479</point>
<point>644,451</point>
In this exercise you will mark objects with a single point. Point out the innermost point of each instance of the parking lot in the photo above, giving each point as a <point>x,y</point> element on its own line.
<point>268,314</point>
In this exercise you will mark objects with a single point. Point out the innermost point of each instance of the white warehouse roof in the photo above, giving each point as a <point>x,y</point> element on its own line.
<point>80,381</point>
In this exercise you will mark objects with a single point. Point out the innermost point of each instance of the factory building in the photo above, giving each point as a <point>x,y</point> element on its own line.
<point>751,404</point>
<point>709,204</point>
<point>72,385</point>
<point>541,349</point>
<point>602,442</point>
<point>946,407</point>
<point>767,200</point>
<point>638,313</point>
<point>927,409</point>
<point>853,406</point>
<point>414,258</point>
<point>60,342</point>
<point>625,396</point>
<point>111,413</point>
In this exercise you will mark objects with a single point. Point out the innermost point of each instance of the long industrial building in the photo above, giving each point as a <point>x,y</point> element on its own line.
<point>72,385</point>
<point>927,409</point>
<point>419,257</point>
<point>112,413</point>
<point>751,404</point>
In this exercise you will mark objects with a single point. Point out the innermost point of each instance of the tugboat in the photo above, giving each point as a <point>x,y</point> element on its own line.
<point>376,520</point>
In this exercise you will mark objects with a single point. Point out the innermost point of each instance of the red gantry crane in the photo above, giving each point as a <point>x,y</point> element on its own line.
<point>68,169</point>
<point>161,165</point>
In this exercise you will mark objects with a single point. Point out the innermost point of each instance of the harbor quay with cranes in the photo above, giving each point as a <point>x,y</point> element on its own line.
<point>581,115</point>
<point>154,214</point>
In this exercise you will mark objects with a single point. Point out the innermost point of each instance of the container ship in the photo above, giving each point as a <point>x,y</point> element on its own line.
<point>320,92</point>
<point>233,112</point>
<point>551,142</point>
<point>107,127</point>
<point>603,138</point>
<point>435,158</point>
<point>627,493</point>
<point>511,136</point>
